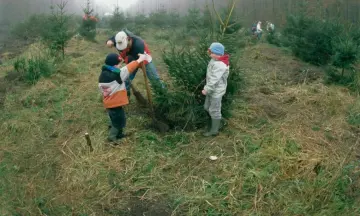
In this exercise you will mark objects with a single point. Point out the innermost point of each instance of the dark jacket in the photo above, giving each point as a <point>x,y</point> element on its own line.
<point>112,86</point>
<point>139,46</point>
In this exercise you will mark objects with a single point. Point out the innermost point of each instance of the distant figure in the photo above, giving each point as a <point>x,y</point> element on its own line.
<point>253,28</point>
<point>259,30</point>
<point>270,27</point>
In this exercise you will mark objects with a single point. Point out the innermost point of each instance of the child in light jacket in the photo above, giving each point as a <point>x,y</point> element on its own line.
<point>112,86</point>
<point>216,84</point>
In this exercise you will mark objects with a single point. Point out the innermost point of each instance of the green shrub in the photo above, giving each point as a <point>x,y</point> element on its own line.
<point>135,28</point>
<point>141,19</point>
<point>162,35</point>
<point>160,18</point>
<point>355,35</point>
<point>311,39</point>
<point>274,38</point>
<point>30,29</point>
<point>32,69</point>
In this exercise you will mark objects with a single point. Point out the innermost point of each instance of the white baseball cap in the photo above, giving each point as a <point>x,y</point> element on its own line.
<point>121,40</point>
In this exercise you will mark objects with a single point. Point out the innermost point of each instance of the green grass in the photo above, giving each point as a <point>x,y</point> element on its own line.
<point>353,117</point>
<point>296,164</point>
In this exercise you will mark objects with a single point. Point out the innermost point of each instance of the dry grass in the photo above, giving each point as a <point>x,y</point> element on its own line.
<point>285,152</point>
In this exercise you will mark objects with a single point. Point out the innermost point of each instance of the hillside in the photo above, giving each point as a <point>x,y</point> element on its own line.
<point>290,148</point>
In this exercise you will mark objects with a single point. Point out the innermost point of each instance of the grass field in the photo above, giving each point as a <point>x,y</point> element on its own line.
<point>291,148</point>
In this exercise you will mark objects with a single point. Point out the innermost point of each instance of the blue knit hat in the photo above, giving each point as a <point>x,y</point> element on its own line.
<point>217,48</point>
<point>112,59</point>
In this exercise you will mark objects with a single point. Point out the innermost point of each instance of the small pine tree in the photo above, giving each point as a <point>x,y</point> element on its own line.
<point>118,20</point>
<point>181,103</point>
<point>207,19</point>
<point>160,18</point>
<point>193,19</point>
<point>58,26</point>
<point>88,26</point>
<point>33,68</point>
<point>174,19</point>
<point>346,54</point>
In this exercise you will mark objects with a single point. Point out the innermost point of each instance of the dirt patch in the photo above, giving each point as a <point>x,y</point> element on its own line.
<point>266,90</point>
<point>7,84</point>
<point>279,65</point>
<point>3,90</point>
<point>11,49</point>
<point>270,106</point>
<point>138,207</point>
<point>12,76</point>
<point>76,55</point>
<point>306,75</point>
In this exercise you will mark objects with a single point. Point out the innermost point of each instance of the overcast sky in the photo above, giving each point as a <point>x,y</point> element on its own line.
<point>110,3</point>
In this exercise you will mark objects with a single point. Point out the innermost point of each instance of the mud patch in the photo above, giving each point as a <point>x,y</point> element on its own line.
<point>266,91</point>
<point>137,207</point>
<point>306,75</point>
<point>3,90</point>
<point>275,65</point>
<point>269,106</point>
<point>9,83</point>
<point>140,208</point>
<point>12,76</point>
<point>76,55</point>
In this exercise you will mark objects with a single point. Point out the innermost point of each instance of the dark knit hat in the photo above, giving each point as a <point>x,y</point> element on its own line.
<point>112,59</point>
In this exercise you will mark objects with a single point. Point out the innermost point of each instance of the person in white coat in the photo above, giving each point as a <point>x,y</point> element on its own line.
<point>259,30</point>
<point>216,84</point>
<point>270,27</point>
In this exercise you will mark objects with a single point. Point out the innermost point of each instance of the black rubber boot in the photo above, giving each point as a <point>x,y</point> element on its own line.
<point>120,135</point>
<point>208,124</point>
<point>215,125</point>
<point>113,133</point>
<point>109,124</point>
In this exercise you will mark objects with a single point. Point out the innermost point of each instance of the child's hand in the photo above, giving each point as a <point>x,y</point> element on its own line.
<point>203,92</point>
<point>143,57</point>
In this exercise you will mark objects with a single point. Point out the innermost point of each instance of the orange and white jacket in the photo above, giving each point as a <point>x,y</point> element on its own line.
<point>112,84</point>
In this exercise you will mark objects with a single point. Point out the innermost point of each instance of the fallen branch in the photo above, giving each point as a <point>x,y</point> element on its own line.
<point>88,141</point>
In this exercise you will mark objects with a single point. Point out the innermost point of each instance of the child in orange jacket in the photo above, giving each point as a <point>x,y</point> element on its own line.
<point>112,86</point>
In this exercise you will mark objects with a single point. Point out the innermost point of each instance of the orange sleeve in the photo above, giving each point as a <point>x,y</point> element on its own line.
<point>132,66</point>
